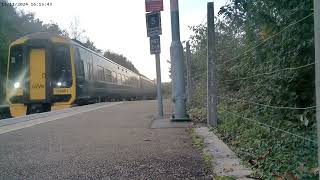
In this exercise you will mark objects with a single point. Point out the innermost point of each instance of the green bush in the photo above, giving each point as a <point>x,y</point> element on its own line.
<point>253,37</point>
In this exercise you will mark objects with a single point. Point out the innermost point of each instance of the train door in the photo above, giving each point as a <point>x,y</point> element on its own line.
<point>37,74</point>
<point>80,73</point>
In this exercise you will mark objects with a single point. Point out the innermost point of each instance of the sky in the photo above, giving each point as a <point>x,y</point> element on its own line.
<point>120,26</point>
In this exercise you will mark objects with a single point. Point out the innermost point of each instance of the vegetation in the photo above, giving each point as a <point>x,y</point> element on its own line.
<point>198,143</point>
<point>120,59</point>
<point>225,178</point>
<point>254,37</point>
<point>166,90</point>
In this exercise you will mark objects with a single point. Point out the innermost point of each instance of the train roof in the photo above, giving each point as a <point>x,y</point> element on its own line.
<point>63,39</point>
<point>42,35</point>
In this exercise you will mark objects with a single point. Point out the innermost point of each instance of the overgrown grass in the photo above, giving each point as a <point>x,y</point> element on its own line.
<point>198,114</point>
<point>224,178</point>
<point>198,143</point>
<point>270,153</point>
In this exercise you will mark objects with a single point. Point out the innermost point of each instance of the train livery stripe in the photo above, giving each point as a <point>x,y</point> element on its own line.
<point>73,87</point>
<point>37,74</point>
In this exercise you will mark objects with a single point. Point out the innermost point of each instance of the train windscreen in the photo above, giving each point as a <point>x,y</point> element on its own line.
<point>16,64</point>
<point>62,73</point>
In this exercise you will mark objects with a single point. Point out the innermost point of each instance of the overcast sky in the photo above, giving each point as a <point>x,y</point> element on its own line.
<point>120,26</point>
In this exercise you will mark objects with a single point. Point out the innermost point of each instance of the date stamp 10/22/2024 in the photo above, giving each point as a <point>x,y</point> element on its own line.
<point>22,4</point>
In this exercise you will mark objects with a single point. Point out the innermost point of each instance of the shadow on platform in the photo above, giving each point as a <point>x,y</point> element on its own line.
<point>168,123</point>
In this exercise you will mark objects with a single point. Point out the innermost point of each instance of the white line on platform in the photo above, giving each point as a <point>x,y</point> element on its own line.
<point>26,124</point>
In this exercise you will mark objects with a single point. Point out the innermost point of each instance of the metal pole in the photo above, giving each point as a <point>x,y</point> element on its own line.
<point>316,6</point>
<point>188,62</point>
<point>177,66</point>
<point>212,88</point>
<point>159,86</point>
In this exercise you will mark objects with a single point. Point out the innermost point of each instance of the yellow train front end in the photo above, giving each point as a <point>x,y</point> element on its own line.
<point>40,74</point>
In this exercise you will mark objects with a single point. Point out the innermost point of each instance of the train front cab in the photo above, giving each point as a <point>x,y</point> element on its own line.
<point>40,75</point>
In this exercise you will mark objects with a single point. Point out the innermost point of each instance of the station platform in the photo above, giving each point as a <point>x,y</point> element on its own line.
<point>115,140</point>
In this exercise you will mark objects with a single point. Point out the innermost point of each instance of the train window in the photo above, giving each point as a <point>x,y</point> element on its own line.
<point>134,82</point>
<point>127,80</point>
<point>15,64</point>
<point>123,79</point>
<point>100,73</point>
<point>138,82</point>
<point>131,80</point>
<point>81,68</point>
<point>86,57</point>
<point>79,64</point>
<point>88,70</point>
<point>62,65</point>
<point>114,77</point>
<point>108,76</point>
<point>89,73</point>
<point>119,79</point>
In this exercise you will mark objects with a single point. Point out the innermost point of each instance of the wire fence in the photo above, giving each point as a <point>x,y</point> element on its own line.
<point>264,125</point>
<point>270,73</point>
<point>264,74</point>
<point>267,39</point>
<point>276,71</point>
<point>265,105</point>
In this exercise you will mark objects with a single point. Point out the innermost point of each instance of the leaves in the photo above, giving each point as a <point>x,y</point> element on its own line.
<point>248,43</point>
<point>120,59</point>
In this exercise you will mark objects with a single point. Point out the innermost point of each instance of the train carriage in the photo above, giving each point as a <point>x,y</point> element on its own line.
<point>50,72</point>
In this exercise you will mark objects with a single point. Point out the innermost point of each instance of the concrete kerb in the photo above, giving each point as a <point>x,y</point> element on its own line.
<point>224,162</point>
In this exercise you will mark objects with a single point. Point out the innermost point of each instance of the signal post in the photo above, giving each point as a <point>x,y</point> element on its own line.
<point>154,30</point>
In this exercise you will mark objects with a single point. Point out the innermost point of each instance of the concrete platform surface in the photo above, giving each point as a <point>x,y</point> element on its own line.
<point>111,142</point>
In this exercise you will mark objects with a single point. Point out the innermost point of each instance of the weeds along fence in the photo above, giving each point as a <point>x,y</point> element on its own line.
<point>266,94</point>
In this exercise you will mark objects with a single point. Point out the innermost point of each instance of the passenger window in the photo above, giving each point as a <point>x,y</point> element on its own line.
<point>100,73</point>
<point>119,79</point>
<point>108,75</point>
<point>89,71</point>
<point>123,79</point>
<point>86,58</point>
<point>81,68</point>
<point>79,64</point>
<point>114,77</point>
<point>127,81</point>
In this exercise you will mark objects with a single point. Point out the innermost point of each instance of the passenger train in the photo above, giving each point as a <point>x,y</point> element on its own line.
<point>50,72</point>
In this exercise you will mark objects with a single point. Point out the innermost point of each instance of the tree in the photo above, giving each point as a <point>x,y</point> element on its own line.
<point>75,31</point>
<point>256,37</point>
<point>121,60</point>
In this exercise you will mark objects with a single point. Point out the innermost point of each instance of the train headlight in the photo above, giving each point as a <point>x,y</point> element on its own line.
<point>16,85</point>
<point>59,84</point>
